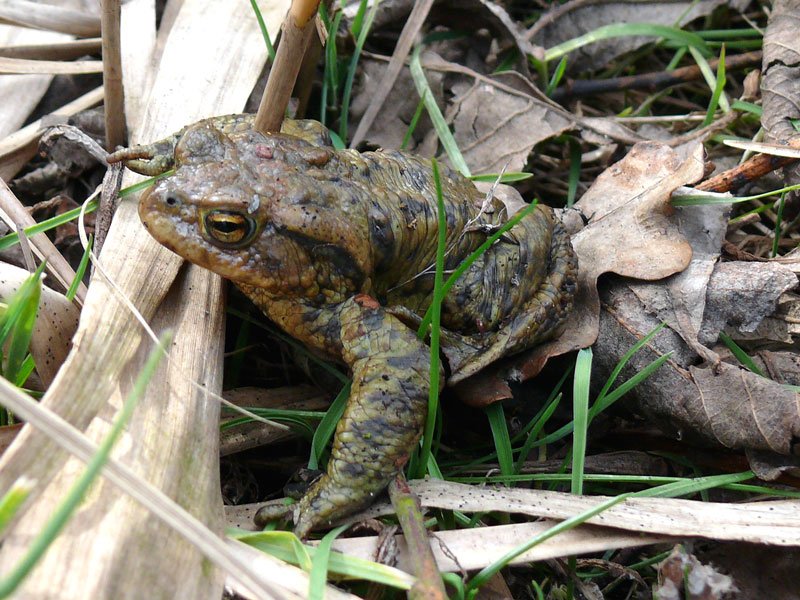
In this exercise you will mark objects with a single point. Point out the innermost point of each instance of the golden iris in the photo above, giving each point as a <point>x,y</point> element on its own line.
<point>229,228</point>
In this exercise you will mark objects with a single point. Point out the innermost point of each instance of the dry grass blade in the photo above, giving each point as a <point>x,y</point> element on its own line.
<point>175,423</point>
<point>46,16</point>
<point>50,67</point>
<point>18,148</point>
<point>16,217</point>
<point>125,478</point>
<point>472,549</point>
<point>54,51</point>
<point>773,522</point>
<point>771,149</point>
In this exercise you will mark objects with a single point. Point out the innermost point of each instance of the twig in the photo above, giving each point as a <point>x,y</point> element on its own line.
<point>750,170</point>
<point>403,47</point>
<point>651,81</point>
<point>297,29</point>
<point>423,564</point>
<point>112,75</point>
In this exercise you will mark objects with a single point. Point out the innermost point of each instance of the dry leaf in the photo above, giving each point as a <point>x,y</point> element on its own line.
<point>629,232</point>
<point>682,577</point>
<point>496,125</point>
<point>780,86</point>
<point>722,404</point>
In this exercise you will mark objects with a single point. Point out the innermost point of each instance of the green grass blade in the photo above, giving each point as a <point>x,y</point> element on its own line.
<point>626,30</point>
<point>412,126</point>
<point>694,486</point>
<point>467,262</point>
<point>25,370</point>
<point>740,354</point>
<point>709,77</point>
<point>20,321</point>
<point>435,311</point>
<point>558,74</point>
<point>604,403</point>
<point>439,123</point>
<point>277,544</point>
<point>319,564</point>
<point>534,433</point>
<point>489,571</point>
<point>717,96</point>
<point>512,177</point>
<point>502,441</point>
<point>7,241</point>
<point>363,31</point>
<point>12,500</point>
<point>77,491</point>
<point>626,357</point>
<point>264,32</point>
<point>82,266</point>
<point>580,408</point>
<point>575,158</point>
<point>327,426</point>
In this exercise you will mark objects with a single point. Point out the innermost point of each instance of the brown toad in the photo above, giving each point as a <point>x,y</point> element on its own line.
<point>337,248</point>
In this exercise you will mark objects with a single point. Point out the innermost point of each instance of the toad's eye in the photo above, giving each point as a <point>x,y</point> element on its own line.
<point>229,228</point>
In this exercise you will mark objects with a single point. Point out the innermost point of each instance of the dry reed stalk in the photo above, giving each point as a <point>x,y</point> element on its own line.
<point>297,29</point>
<point>112,74</point>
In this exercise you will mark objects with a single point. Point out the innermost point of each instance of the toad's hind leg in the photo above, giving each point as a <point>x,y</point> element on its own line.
<point>384,415</point>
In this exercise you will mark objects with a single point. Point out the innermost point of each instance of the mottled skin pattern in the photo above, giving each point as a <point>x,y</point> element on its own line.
<point>337,248</point>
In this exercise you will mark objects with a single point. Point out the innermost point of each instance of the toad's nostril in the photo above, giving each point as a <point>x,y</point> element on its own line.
<point>171,200</point>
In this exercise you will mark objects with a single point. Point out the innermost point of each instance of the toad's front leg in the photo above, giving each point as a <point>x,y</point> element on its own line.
<point>383,419</point>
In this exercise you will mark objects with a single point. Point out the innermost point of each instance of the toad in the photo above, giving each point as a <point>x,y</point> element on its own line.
<point>338,249</point>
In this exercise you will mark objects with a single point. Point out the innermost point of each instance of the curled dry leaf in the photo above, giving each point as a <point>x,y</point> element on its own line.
<point>629,232</point>
<point>56,323</point>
